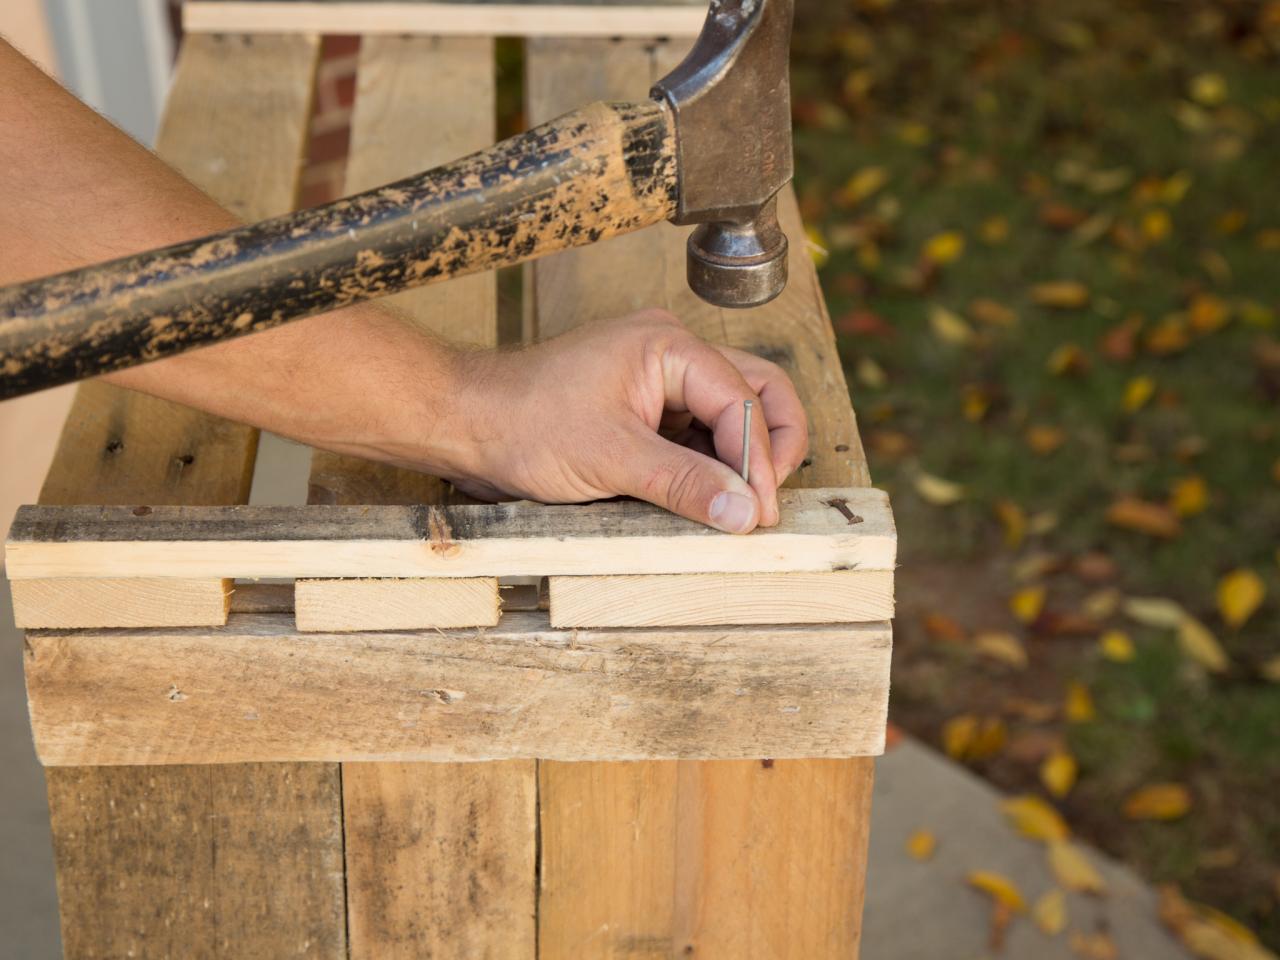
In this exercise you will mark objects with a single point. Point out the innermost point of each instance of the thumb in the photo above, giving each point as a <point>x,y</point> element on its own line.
<point>686,482</point>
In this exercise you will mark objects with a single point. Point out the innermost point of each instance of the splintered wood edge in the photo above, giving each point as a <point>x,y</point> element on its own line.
<point>396,604</point>
<point>445,19</point>
<point>258,690</point>
<point>821,531</point>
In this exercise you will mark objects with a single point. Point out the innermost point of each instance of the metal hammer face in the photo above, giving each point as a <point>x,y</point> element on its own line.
<point>731,99</point>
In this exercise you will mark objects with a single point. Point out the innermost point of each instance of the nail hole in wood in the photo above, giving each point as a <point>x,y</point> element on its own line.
<point>842,448</point>
<point>115,446</point>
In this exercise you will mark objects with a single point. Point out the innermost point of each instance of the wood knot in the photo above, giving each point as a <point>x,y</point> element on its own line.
<point>439,535</point>
<point>142,511</point>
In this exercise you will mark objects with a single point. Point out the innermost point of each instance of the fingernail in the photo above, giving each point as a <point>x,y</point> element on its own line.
<point>732,512</point>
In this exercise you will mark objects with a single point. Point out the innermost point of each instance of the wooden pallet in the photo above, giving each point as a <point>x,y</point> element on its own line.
<point>324,834</point>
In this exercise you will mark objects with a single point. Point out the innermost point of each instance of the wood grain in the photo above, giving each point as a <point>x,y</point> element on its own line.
<point>445,19</point>
<point>698,858</point>
<point>440,856</point>
<point>255,690</point>
<point>131,602</point>
<point>819,530</point>
<point>847,596</point>
<point>343,606</point>
<point>198,862</point>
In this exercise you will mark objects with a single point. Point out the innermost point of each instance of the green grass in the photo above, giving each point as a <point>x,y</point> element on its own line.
<point>1014,106</point>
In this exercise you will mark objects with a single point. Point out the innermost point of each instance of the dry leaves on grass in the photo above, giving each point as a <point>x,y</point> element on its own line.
<point>1208,933</point>
<point>1143,516</point>
<point>1240,593</point>
<point>1043,439</point>
<point>1202,646</point>
<point>1059,772</point>
<point>1002,647</point>
<point>1158,801</point>
<point>949,327</point>
<point>1013,520</point>
<point>1073,870</point>
<point>1137,392</point>
<point>1027,603</point>
<point>937,491</point>
<point>1078,706</point>
<point>968,737</point>
<point>1117,646</point>
<point>1061,294</point>
<point>944,248</point>
<point>1035,818</point>
<point>1189,495</point>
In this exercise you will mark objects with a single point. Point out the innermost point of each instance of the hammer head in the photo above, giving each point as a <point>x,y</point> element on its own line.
<point>731,99</point>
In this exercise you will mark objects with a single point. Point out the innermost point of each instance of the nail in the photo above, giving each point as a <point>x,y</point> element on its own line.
<point>732,512</point>
<point>746,441</point>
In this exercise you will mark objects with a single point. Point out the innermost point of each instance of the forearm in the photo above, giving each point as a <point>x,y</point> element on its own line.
<point>75,190</point>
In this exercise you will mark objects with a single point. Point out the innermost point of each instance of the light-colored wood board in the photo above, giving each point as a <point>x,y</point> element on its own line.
<point>345,606</point>
<point>254,689</point>
<point>198,862</point>
<point>620,884</point>
<point>131,602</point>
<point>444,19</point>
<point>440,856</point>
<point>846,596</point>
<point>819,530</point>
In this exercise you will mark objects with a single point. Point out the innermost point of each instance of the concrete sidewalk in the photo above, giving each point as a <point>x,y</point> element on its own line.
<point>915,911</point>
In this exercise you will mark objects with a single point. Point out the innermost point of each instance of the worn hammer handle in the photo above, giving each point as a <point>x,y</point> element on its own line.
<point>600,171</point>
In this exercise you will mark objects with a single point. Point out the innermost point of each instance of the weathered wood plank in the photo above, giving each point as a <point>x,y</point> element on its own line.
<point>846,596</point>
<point>253,690</point>
<point>563,19</point>
<point>131,602</point>
<point>440,856</point>
<point>344,606</point>
<point>198,862</point>
<point>820,530</point>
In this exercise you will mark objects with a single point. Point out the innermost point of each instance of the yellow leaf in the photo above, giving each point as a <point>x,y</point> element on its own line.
<point>1189,496</point>
<point>1004,647</point>
<point>817,247</point>
<point>1045,440</point>
<point>1061,294</point>
<point>1093,946</point>
<point>976,401</point>
<point>1000,888</point>
<point>992,313</point>
<point>1208,89</point>
<point>939,492</point>
<point>1155,612</point>
<point>1013,520</point>
<point>992,736</point>
<point>1050,913</point>
<point>864,183</point>
<point>1156,225</point>
<point>1067,360</point>
<point>945,247</point>
<point>1175,188</point>
<point>1143,516</point>
<point>1201,646</point>
<point>1073,870</point>
<point>870,374</point>
<point>1257,314</point>
<point>1058,773</point>
<point>914,134</point>
<point>1207,314</point>
<point>921,845</point>
<point>1240,593</point>
<point>1158,801</point>
<point>1101,604</point>
<point>1169,336</point>
<point>1034,818</point>
<point>1028,602</point>
<point>949,327</point>
<point>1271,669</point>
<point>959,734</point>
<point>1078,707</point>
<point>1117,646</point>
<point>994,230</point>
<point>1137,392</point>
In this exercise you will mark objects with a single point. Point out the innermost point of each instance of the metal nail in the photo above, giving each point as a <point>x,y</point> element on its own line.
<point>746,440</point>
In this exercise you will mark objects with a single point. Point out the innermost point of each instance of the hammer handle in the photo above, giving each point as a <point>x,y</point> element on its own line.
<point>594,173</point>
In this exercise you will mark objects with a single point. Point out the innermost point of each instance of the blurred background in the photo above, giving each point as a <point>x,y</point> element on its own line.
<point>1049,234</point>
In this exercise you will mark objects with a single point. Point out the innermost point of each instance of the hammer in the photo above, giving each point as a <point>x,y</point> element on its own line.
<point>712,147</point>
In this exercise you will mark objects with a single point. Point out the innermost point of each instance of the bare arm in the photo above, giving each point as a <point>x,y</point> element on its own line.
<point>576,418</point>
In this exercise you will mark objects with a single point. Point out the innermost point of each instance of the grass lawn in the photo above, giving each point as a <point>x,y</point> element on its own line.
<point>1050,237</point>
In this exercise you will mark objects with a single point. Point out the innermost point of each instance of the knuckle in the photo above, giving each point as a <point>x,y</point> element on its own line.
<point>674,482</point>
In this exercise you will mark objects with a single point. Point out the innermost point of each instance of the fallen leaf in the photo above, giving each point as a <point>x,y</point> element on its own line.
<point>1003,647</point>
<point>1033,711</point>
<point>1057,623</point>
<point>1202,646</point>
<point>1000,888</point>
<point>1035,818</point>
<point>1045,440</point>
<point>1142,516</point>
<point>1189,496</point>
<point>1050,913</point>
<point>1061,294</point>
<point>1257,314</point>
<point>991,739</point>
<point>975,402</point>
<point>949,327</point>
<point>1207,313</point>
<point>1095,567</point>
<point>1154,612</point>
<point>1270,669</point>
<point>1208,933</point>
<point>1036,566</point>
<point>1101,604</point>
<point>959,734</point>
<point>936,491</point>
<point>1013,520</point>
<point>1240,593</point>
<point>1169,336</point>
<point>1117,646</point>
<point>944,248</point>
<point>921,845</point>
<point>1078,706</point>
<point>1108,181</point>
<point>1208,89</point>
<point>1175,188</point>
<point>1120,343</point>
<point>870,374</point>
<point>1067,360</point>
<point>914,133</point>
<point>992,313</point>
<point>863,184</point>
<point>1137,392</point>
<point>1156,225</point>
<point>1073,869</point>
<point>890,444</point>
<point>1032,746</point>
<point>994,230</point>
<point>1158,801</point>
<point>1027,603</point>
<point>1059,216</point>
<point>942,628</point>
<point>864,323</point>
<point>1058,773</point>
<point>1093,946</point>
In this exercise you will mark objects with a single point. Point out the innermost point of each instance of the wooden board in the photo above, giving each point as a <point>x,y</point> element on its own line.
<point>210,861</point>
<point>715,859</point>
<point>820,530</point>
<point>440,856</point>
<point>131,602</point>
<point>338,606</point>
<point>847,596</point>
<point>254,690</point>
<point>564,19</point>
